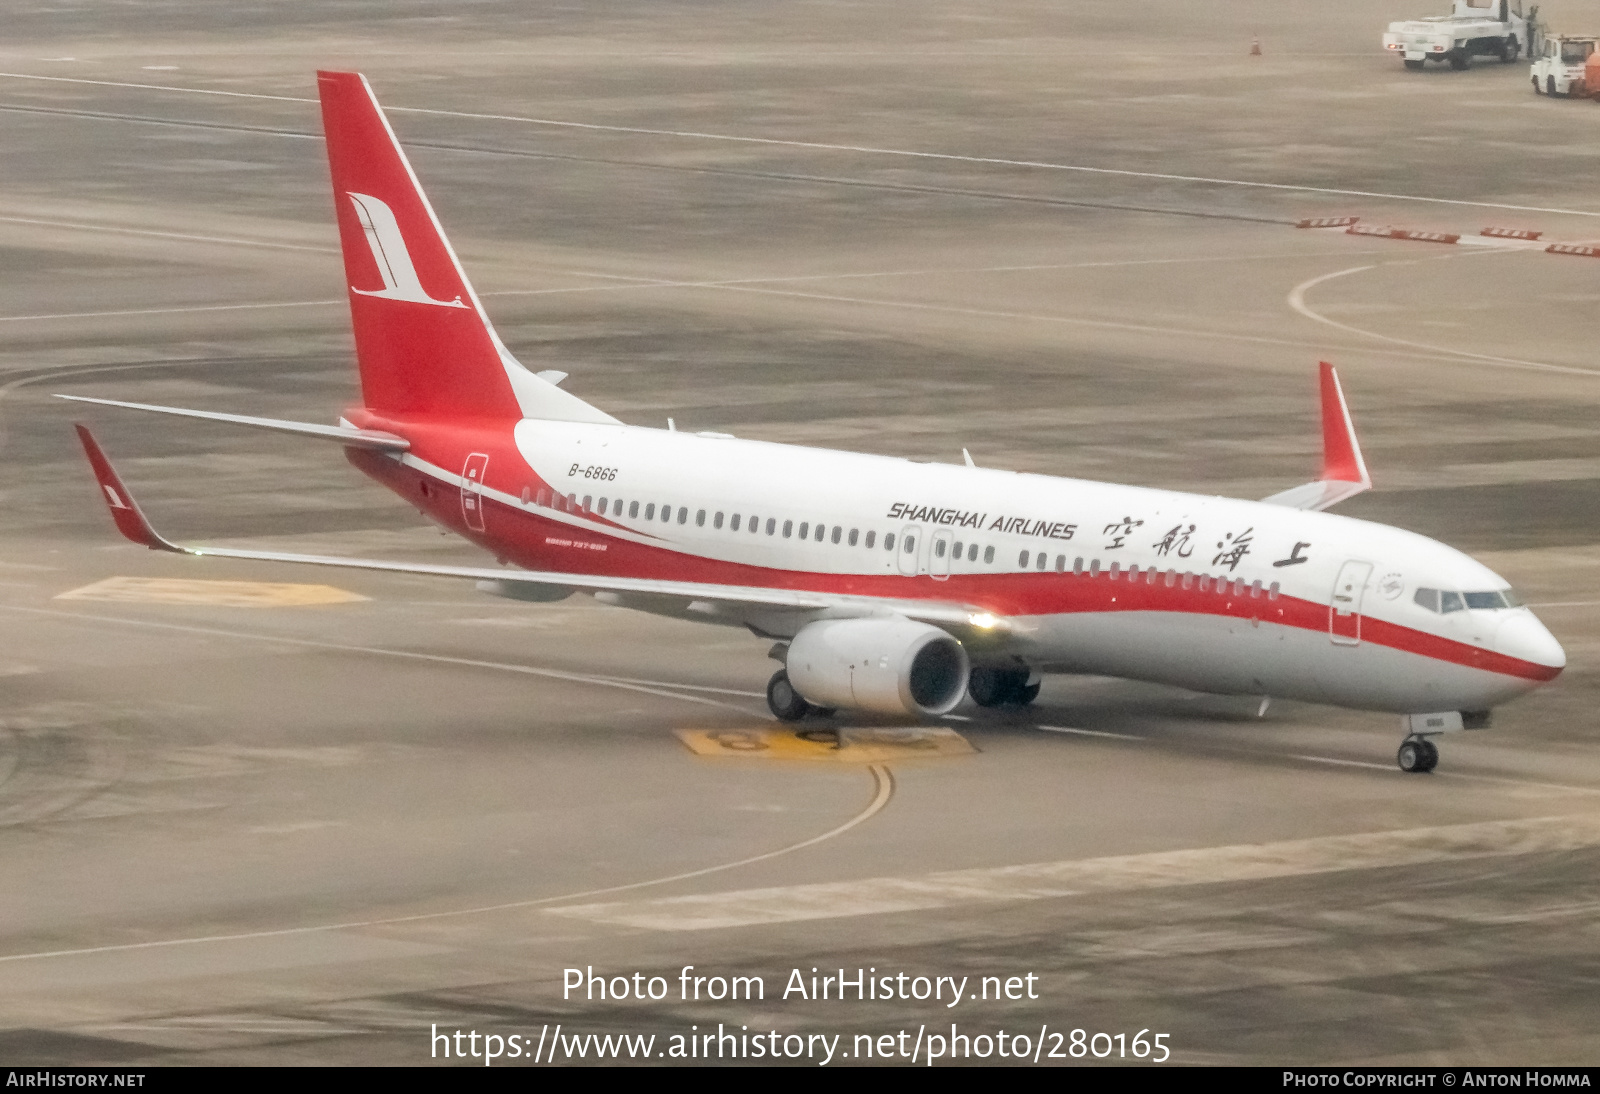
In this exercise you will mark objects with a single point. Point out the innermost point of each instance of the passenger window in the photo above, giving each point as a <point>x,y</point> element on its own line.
<point>716,521</point>
<point>805,530</point>
<point>820,532</point>
<point>1077,565</point>
<point>602,509</point>
<point>855,534</point>
<point>1172,578</point>
<point>788,529</point>
<point>972,552</point>
<point>1061,564</point>
<point>1450,602</point>
<point>1044,559</point>
<point>527,494</point>
<point>633,509</point>
<point>1427,598</point>
<point>1115,566</point>
<point>837,532</point>
<point>1205,583</point>
<point>888,541</point>
<point>772,525</point>
<point>1272,591</point>
<point>1188,580</point>
<point>1255,589</point>
<point>1094,567</point>
<point>544,498</point>
<point>649,511</point>
<point>910,544</point>
<point>666,513</point>
<point>683,515</point>
<point>870,537</point>
<point>699,519</point>
<point>733,523</point>
<point>587,498</point>
<point>955,552</point>
<point>938,548</point>
<point>1022,560</point>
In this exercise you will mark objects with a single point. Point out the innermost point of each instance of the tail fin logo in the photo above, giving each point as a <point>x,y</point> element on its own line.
<point>389,252</point>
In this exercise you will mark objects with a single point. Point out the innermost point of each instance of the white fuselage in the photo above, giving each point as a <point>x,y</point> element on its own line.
<point>1209,593</point>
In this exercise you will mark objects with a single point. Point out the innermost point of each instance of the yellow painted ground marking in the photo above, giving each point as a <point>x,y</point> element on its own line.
<point>848,745</point>
<point>227,594</point>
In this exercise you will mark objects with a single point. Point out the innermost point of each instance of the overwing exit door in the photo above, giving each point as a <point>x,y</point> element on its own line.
<point>472,490</point>
<point>1344,611</point>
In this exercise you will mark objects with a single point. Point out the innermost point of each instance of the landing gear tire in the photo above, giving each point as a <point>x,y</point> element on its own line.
<point>1417,756</point>
<point>1416,66</point>
<point>999,687</point>
<point>786,704</point>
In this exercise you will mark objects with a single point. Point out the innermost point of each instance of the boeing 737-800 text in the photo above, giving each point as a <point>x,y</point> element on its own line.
<point>884,584</point>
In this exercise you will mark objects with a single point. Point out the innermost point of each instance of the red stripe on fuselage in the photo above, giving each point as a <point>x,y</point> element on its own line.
<point>539,540</point>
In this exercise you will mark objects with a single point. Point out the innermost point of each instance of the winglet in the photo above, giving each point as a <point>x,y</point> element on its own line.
<point>1341,452</point>
<point>1344,472</point>
<point>124,510</point>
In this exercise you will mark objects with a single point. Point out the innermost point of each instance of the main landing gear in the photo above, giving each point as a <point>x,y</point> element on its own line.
<point>786,704</point>
<point>1417,755</point>
<point>1001,687</point>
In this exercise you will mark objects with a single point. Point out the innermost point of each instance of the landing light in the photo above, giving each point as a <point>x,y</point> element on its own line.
<point>983,620</point>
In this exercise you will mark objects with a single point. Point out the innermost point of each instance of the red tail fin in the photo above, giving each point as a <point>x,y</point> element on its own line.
<point>423,342</point>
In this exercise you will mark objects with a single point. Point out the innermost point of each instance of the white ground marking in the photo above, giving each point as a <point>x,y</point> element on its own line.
<point>1297,301</point>
<point>1345,763</point>
<point>169,311</point>
<point>883,791</point>
<point>822,146</point>
<point>1036,881</point>
<point>229,240</point>
<point>1092,733</point>
<point>652,687</point>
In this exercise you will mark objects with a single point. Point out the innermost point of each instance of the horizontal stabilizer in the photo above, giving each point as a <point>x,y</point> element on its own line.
<point>1344,472</point>
<point>353,438</point>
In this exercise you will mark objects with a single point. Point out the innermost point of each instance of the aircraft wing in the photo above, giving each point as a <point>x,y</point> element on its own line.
<point>700,597</point>
<point>1344,472</point>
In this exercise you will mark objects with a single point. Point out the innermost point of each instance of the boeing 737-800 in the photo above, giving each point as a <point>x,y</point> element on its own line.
<point>884,584</point>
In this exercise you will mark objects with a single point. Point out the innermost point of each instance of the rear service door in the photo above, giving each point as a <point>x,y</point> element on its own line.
<point>472,490</point>
<point>1344,612</point>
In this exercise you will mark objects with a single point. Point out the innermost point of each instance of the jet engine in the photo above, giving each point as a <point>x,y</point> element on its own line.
<point>890,665</point>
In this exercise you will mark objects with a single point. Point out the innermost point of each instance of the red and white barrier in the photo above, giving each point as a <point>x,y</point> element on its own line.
<point>1402,233</point>
<point>1327,222</point>
<point>1510,233</point>
<point>1573,249</point>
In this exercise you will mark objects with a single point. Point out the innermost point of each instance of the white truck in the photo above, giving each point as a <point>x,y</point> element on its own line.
<point>1559,69</point>
<point>1474,28</point>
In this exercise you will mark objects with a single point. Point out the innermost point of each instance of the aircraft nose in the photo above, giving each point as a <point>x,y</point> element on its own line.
<point>1522,636</point>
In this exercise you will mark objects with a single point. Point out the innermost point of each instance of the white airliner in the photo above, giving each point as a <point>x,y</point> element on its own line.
<point>884,584</point>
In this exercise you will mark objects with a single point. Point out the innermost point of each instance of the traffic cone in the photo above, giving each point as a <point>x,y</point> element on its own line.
<point>1255,47</point>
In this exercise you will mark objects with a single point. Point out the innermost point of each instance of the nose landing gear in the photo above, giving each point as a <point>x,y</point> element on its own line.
<point>1417,755</point>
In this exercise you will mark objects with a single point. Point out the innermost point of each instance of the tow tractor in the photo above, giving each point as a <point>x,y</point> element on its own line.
<point>1568,66</point>
<point>1474,28</point>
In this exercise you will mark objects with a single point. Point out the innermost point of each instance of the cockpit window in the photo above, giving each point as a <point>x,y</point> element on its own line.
<point>1450,602</point>
<point>1428,598</point>
<point>1500,598</point>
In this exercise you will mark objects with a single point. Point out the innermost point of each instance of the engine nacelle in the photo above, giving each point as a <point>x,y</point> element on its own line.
<point>894,666</point>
